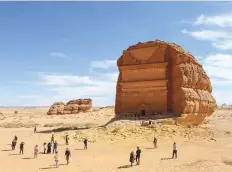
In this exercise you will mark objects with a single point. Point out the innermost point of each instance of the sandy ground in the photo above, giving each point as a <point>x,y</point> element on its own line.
<point>200,149</point>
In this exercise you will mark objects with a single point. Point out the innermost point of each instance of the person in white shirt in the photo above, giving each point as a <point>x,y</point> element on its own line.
<point>56,157</point>
<point>174,153</point>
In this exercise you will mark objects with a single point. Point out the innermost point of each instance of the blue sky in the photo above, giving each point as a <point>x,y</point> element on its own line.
<point>57,51</point>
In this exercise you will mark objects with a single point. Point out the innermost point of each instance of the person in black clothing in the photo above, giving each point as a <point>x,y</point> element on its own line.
<point>55,147</point>
<point>132,158</point>
<point>66,139</point>
<point>138,152</point>
<point>13,145</point>
<point>45,147</point>
<point>67,155</point>
<point>49,147</point>
<point>155,142</point>
<point>35,130</point>
<point>85,144</point>
<point>21,147</point>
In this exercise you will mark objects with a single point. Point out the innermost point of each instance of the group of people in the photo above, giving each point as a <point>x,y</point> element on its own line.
<point>48,149</point>
<point>133,157</point>
<point>51,147</point>
<point>136,157</point>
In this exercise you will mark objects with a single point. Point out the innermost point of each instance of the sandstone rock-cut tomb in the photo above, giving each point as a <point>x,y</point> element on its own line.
<point>72,107</point>
<point>157,76</point>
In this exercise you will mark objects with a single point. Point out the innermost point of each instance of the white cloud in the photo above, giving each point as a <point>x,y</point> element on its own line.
<point>219,66</point>
<point>58,79</point>
<point>221,40</point>
<point>223,44</point>
<point>224,20</point>
<point>208,35</point>
<point>104,64</point>
<point>101,87</point>
<point>58,54</point>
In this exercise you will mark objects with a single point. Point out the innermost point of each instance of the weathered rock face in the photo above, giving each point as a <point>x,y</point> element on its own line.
<point>157,76</point>
<point>72,107</point>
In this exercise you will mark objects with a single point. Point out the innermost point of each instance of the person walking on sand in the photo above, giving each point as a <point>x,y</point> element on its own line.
<point>13,144</point>
<point>155,142</point>
<point>35,130</point>
<point>67,155</point>
<point>138,152</point>
<point>21,147</point>
<point>49,148</point>
<point>85,144</point>
<point>174,152</point>
<point>56,157</point>
<point>52,138</point>
<point>55,147</point>
<point>45,147</point>
<point>36,150</point>
<point>132,158</point>
<point>66,139</point>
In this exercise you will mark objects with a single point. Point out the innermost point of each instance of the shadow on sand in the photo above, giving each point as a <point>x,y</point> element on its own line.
<point>51,166</point>
<point>14,154</point>
<point>124,166</point>
<point>61,129</point>
<point>79,149</point>
<point>28,158</point>
<point>151,148</point>
<point>4,150</point>
<point>166,158</point>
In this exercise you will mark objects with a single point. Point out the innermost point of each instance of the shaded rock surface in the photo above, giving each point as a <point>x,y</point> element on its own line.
<point>72,107</point>
<point>158,76</point>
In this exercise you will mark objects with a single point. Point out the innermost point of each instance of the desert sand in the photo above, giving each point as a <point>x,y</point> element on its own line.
<point>204,148</point>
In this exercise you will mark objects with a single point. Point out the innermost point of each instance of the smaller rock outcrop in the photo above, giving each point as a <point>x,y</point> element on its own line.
<point>72,107</point>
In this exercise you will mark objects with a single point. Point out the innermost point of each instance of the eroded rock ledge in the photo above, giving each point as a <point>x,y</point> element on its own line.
<point>158,76</point>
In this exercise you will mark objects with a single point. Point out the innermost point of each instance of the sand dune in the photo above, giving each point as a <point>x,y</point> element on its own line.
<point>201,149</point>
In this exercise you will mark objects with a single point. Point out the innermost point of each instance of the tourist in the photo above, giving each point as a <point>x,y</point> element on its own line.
<point>35,130</point>
<point>49,147</point>
<point>132,158</point>
<point>45,147</point>
<point>66,139</point>
<point>56,157</point>
<point>21,147</point>
<point>36,150</point>
<point>13,145</point>
<point>55,147</point>
<point>138,152</point>
<point>52,139</point>
<point>85,143</point>
<point>174,153</point>
<point>15,138</point>
<point>155,142</point>
<point>67,155</point>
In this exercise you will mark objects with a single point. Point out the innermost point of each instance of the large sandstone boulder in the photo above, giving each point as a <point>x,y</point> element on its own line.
<point>157,76</point>
<point>56,109</point>
<point>72,107</point>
